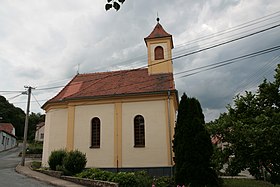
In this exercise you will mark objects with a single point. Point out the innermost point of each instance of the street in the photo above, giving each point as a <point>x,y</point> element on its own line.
<point>9,177</point>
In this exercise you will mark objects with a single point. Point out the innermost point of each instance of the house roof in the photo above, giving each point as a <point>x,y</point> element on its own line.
<point>40,125</point>
<point>7,127</point>
<point>159,32</point>
<point>114,83</point>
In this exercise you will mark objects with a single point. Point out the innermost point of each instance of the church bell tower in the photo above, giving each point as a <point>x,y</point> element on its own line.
<point>159,45</point>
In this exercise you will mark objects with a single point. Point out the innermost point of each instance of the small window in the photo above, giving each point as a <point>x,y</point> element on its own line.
<point>139,131</point>
<point>42,136</point>
<point>95,133</point>
<point>3,140</point>
<point>159,55</point>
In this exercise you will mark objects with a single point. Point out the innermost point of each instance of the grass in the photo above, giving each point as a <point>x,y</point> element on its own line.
<point>247,183</point>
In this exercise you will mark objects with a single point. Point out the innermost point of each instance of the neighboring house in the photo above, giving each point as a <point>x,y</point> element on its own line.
<point>39,134</point>
<point>8,139</point>
<point>123,120</point>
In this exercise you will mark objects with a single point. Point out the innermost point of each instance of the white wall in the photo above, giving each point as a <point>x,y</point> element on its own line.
<point>7,141</point>
<point>55,134</point>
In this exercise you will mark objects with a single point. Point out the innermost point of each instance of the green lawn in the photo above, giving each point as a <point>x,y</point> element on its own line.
<point>246,183</point>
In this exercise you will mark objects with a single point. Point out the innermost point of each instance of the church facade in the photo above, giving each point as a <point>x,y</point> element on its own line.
<point>123,120</point>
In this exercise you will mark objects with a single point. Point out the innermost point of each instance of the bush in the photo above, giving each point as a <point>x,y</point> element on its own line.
<point>164,182</point>
<point>35,164</point>
<point>75,161</point>
<point>34,148</point>
<point>125,179</point>
<point>56,158</point>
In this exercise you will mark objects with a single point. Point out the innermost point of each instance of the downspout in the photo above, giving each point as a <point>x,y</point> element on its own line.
<point>170,138</point>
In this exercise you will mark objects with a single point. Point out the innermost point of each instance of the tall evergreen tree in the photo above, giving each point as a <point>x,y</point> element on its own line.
<point>192,146</point>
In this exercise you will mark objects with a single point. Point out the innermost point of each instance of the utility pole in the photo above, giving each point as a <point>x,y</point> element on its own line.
<point>29,88</point>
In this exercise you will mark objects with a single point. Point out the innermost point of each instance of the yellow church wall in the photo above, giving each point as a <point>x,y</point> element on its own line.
<point>55,132</point>
<point>96,157</point>
<point>154,154</point>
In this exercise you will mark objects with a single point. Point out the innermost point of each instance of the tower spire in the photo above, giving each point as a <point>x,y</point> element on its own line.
<point>157,18</point>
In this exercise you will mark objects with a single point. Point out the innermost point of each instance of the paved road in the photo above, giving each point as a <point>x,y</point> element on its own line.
<point>9,177</point>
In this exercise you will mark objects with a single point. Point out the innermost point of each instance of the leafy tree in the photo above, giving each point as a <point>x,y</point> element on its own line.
<point>250,131</point>
<point>192,146</point>
<point>113,4</point>
<point>12,114</point>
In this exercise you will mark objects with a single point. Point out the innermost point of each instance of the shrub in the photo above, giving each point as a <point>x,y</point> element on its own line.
<point>56,158</point>
<point>34,148</point>
<point>35,164</point>
<point>164,181</point>
<point>125,179</point>
<point>75,161</point>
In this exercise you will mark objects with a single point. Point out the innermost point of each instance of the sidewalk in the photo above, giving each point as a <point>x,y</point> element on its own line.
<point>26,170</point>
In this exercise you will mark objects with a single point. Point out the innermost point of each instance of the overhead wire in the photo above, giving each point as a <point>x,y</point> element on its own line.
<point>238,27</point>
<point>254,78</point>
<point>194,52</point>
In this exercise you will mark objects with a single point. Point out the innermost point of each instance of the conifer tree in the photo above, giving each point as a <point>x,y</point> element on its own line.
<point>192,146</point>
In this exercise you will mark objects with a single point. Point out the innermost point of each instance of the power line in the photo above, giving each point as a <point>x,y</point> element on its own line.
<point>235,28</point>
<point>11,98</point>
<point>190,53</point>
<point>252,79</point>
<point>36,100</point>
<point>250,55</point>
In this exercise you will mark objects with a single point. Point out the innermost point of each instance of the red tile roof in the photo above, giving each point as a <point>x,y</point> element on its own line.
<point>114,83</point>
<point>159,32</point>
<point>7,127</point>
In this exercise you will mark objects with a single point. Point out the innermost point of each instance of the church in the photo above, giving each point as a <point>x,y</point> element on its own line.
<point>122,120</point>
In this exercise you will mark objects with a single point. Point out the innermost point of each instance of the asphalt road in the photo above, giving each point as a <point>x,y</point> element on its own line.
<point>9,177</point>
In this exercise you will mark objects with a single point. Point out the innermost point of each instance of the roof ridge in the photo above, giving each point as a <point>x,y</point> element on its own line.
<point>114,71</point>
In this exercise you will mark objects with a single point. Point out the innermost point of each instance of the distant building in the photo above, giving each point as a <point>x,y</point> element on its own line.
<point>8,139</point>
<point>123,120</point>
<point>39,134</point>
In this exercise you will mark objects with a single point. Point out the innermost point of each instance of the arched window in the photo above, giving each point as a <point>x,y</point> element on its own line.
<point>95,133</point>
<point>139,131</point>
<point>159,53</point>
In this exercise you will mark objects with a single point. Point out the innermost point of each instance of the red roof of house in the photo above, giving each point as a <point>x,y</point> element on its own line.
<point>114,83</point>
<point>159,32</point>
<point>7,127</point>
<point>40,125</point>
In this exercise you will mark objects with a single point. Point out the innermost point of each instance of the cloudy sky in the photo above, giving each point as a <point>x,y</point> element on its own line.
<point>44,43</point>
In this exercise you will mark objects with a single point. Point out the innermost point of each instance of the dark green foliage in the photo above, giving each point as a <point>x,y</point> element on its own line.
<point>56,158</point>
<point>164,182</point>
<point>35,164</point>
<point>74,161</point>
<point>12,114</point>
<point>192,146</point>
<point>113,3</point>
<point>124,179</point>
<point>34,148</point>
<point>250,131</point>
